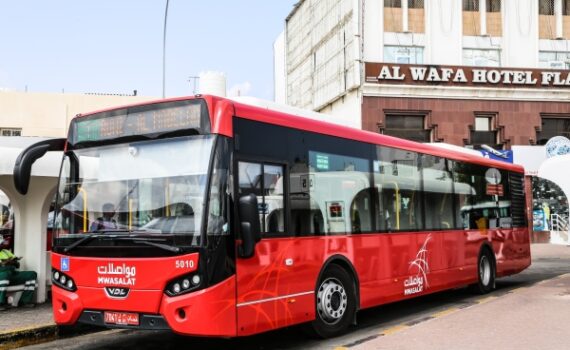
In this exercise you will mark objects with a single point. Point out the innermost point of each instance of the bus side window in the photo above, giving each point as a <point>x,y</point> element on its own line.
<point>250,182</point>
<point>397,173</point>
<point>437,186</point>
<point>340,184</point>
<point>266,182</point>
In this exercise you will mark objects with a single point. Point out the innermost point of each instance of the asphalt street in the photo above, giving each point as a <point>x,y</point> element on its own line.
<point>403,325</point>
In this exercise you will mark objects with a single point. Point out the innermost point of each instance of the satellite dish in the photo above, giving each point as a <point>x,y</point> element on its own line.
<point>557,146</point>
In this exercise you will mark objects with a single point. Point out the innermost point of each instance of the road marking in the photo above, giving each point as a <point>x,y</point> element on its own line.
<point>519,289</point>
<point>486,300</point>
<point>341,348</point>
<point>394,329</point>
<point>445,312</point>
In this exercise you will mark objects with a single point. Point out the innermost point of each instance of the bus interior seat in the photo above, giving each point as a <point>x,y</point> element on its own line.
<point>307,221</point>
<point>275,221</point>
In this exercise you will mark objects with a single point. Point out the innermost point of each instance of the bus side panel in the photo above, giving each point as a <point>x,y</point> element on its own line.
<point>275,287</point>
<point>512,250</point>
<point>397,266</point>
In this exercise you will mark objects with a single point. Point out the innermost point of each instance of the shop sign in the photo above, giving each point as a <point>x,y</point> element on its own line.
<point>465,76</point>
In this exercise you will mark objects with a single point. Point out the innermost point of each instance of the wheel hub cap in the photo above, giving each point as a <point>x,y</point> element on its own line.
<point>331,301</point>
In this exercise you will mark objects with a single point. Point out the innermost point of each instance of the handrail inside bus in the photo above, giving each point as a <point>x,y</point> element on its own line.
<point>130,214</point>
<point>82,190</point>
<point>397,190</point>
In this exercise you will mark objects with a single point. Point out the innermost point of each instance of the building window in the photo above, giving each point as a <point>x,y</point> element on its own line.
<point>10,132</point>
<point>554,59</point>
<point>546,7</point>
<point>416,4</point>
<point>410,127</point>
<point>471,5</point>
<point>483,123</point>
<point>553,126</point>
<point>481,58</point>
<point>483,132</point>
<point>392,3</point>
<point>404,54</point>
<point>493,5</point>
<point>566,7</point>
<point>412,4</point>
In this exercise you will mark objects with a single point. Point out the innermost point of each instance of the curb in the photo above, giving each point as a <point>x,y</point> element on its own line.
<point>43,333</point>
<point>28,336</point>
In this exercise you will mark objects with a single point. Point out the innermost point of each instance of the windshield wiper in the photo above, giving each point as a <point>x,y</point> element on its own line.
<point>79,242</point>
<point>121,236</point>
<point>167,247</point>
<point>152,242</point>
<point>90,236</point>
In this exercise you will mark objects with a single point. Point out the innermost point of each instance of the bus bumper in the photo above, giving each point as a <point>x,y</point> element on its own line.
<point>208,312</point>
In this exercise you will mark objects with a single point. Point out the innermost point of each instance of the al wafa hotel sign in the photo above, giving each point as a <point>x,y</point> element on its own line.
<point>386,73</point>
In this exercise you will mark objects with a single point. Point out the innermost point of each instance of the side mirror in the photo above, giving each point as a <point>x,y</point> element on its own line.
<point>24,162</point>
<point>250,228</point>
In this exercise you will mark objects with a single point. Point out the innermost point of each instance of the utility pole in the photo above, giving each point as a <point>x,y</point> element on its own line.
<point>164,52</point>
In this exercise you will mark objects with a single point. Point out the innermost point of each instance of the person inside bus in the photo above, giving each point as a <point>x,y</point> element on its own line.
<point>9,276</point>
<point>106,221</point>
<point>480,221</point>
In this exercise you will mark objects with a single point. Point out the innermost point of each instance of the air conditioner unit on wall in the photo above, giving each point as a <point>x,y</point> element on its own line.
<point>557,64</point>
<point>405,59</point>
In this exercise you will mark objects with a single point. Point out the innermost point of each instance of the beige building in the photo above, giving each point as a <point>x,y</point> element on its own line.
<point>24,219</point>
<point>49,114</point>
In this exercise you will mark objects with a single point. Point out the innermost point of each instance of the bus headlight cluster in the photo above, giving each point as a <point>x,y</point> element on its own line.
<point>62,280</point>
<point>184,284</point>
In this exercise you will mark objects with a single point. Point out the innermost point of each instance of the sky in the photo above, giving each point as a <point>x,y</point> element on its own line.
<point>115,46</point>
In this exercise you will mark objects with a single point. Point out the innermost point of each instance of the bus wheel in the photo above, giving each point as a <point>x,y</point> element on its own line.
<point>335,302</point>
<point>485,272</point>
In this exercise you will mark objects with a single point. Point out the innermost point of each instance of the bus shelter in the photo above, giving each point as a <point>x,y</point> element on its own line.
<point>29,213</point>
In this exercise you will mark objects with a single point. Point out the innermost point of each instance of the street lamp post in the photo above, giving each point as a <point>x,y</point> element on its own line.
<point>164,52</point>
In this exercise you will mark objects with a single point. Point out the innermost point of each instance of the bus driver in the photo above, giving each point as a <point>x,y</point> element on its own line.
<point>106,221</point>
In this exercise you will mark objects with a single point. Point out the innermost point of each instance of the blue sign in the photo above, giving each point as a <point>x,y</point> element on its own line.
<point>539,222</point>
<point>65,264</point>
<point>505,156</point>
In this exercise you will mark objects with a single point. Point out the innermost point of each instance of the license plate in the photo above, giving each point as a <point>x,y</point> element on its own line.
<point>122,318</point>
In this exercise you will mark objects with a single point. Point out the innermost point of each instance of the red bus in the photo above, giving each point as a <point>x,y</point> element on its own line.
<point>211,217</point>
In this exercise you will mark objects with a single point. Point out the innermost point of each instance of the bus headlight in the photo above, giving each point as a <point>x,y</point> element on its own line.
<point>62,280</point>
<point>196,280</point>
<point>184,284</point>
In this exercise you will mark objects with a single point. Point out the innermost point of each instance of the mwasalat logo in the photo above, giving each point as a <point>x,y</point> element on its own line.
<point>116,274</point>
<point>419,282</point>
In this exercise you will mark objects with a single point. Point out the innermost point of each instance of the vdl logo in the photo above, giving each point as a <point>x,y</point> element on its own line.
<point>117,292</point>
<point>64,264</point>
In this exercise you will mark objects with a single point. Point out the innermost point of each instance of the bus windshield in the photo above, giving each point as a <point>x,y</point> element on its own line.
<point>136,189</point>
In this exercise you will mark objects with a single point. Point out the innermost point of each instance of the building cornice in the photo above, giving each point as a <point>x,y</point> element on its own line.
<point>467,93</point>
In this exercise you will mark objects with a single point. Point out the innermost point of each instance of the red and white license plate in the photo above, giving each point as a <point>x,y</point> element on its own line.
<point>122,318</point>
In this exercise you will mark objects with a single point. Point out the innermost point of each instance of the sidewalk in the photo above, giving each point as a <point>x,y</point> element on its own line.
<point>530,318</point>
<point>24,326</point>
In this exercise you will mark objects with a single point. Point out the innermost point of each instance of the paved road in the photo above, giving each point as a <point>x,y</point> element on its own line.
<point>535,301</point>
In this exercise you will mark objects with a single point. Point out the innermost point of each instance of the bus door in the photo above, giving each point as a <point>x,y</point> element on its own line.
<point>265,280</point>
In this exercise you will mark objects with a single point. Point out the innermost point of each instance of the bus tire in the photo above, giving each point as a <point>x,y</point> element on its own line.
<point>486,272</point>
<point>335,303</point>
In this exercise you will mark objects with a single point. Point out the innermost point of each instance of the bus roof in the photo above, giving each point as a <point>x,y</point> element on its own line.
<point>223,109</point>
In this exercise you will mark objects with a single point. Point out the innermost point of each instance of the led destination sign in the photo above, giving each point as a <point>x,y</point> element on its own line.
<point>152,119</point>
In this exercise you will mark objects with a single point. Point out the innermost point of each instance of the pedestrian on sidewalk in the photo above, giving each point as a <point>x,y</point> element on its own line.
<point>9,275</point>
